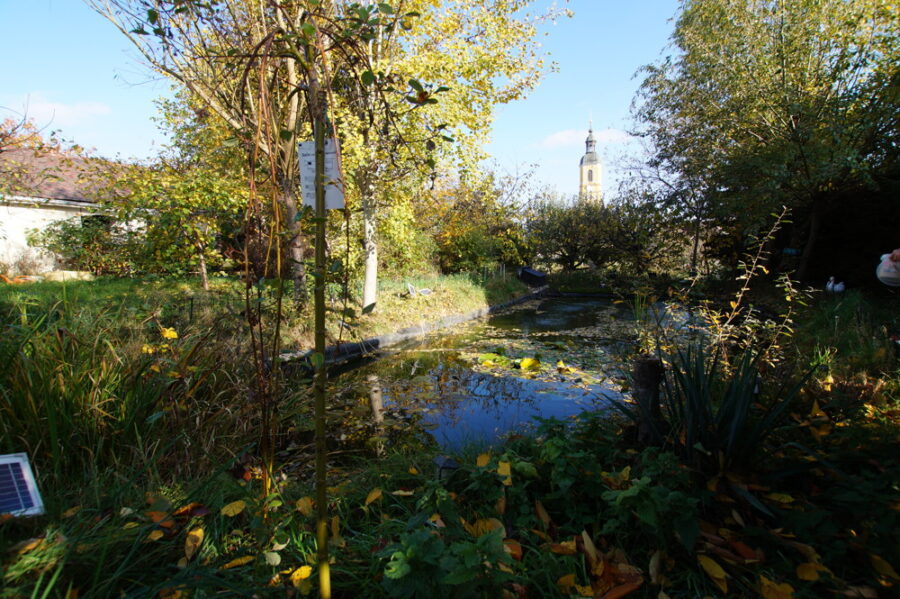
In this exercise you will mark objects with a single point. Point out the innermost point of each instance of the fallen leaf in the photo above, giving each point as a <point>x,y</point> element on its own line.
<point>234,508</point>
<point>780,497</point>
<point>772,590</point>
<point>621,590</point>
<point>655,567</point>
<point>883,567</point>
<point>402,493</point>
<point>238,561</point>
<point>155,535</point>
<point>860,592</point>
<point>71,511</point>
<point>273,558</point>
<point>589,548</point>
<point>564,548</point>
<point>26,546</point>
<point>305,506</point>
<point>413,470</point>
<point>542,514</point>
<point>513,548</point>
<point>714,570</point>
<point>482,460</point>
<point>810,571</point>
<point>374,495</point>
<point>300,574</point>
<point>482,526</point>
<point>566,583</point>
<point>192,542</point>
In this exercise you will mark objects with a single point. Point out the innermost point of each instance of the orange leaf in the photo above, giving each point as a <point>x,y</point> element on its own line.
<point>513,548</point>
<point>482,526</point>
<point>622,590</point>
<point>564,548</point>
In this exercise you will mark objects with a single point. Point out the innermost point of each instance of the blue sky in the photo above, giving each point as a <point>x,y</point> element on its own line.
<point>74,72</point>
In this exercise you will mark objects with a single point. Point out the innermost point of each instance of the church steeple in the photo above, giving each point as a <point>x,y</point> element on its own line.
<point>590,169</point>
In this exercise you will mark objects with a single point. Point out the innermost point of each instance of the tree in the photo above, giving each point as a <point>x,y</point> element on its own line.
<point>773,103</point>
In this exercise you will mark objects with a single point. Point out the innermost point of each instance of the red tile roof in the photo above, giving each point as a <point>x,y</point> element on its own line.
<point>49,174</point>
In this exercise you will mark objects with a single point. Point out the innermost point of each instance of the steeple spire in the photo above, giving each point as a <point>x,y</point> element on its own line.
<point>590,143</point>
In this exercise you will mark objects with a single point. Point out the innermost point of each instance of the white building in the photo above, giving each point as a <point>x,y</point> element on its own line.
<point>590,171</point>
<point>38,187</point>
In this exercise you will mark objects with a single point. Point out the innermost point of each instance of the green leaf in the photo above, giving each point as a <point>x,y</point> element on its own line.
<point>385,8</point>
<point>368,77</point>
<point>317,360</point>
<point>286,134</point>
<point>413,83</point>
<point>152,16</point>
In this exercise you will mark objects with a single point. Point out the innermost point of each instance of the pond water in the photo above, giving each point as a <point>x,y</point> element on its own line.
<point>487,379</point>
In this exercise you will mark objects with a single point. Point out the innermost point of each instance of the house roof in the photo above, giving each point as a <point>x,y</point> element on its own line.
<point>50,174</point>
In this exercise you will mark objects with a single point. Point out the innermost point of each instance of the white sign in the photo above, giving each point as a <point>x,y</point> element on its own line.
<point>334,189</point>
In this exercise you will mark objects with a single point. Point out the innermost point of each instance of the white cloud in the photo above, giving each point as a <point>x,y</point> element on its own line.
<point>46,113</point>
<point>576,137</point>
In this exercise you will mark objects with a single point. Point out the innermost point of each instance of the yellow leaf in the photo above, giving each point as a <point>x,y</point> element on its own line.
<point>71,511</point>
<point>505,469</point>
<point>238,561</point>
<point>155,535</point>
<point>733,304</point>
<point>780,497</point>
<point>542,514</point>
<point>128,525</point>
<point>563,369</point>
<point>714,570</point>
<point>374,495</point>
<point>530,364</point>
<point>482,526</point>
<point>413,470</point>
<point>402,493</point>
<point>810,571</point>
<point>300,574</point>
<point>483,460</point>
<point>883,567</point>
<point>305,506</point>
<point>192,542</point>
<point>772,590</point>
<point>169,333</point>
<point>234,508</point>
<point>437,520</point>
<point>584,591</point>
<point>565,583</point>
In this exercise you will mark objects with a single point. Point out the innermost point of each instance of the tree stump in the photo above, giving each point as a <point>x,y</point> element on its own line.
<point>647,374</point>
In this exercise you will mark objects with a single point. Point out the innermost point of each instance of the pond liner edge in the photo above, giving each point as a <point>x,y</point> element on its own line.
<point>338,354</point>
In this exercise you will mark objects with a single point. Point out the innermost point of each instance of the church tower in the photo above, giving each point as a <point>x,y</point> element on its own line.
<point>591,171</point>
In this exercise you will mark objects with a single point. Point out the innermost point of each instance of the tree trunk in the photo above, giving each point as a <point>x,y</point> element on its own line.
<point>370,282</point>
<point>815,223</point>
<point>204,279</point>
<point>296,243</point>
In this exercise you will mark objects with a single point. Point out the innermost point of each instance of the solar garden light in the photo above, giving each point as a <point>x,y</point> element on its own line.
<point>445,466</point>
<point>19,495</point>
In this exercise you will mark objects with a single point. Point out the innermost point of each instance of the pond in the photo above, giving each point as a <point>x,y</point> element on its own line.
<point>482,381</point>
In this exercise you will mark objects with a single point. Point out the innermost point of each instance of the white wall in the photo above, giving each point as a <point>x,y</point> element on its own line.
<point>17,217</point>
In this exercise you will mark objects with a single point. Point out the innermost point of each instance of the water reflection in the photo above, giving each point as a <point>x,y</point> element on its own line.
<point>437,382</point>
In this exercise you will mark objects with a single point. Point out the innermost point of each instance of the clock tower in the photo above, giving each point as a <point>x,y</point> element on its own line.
<point>591,171</point>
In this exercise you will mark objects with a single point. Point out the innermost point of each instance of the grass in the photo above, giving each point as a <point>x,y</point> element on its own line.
<point>144,458</point>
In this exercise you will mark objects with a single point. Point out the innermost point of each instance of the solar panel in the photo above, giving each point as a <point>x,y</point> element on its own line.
<point>18,492</point>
